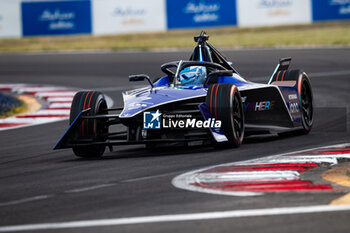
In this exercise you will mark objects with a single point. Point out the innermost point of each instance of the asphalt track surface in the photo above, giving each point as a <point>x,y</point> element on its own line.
<point>39,185</point>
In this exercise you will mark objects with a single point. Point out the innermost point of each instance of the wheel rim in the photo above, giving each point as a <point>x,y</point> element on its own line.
<point>306,103</point>
<point>101,109</point>
<point>236,117</point>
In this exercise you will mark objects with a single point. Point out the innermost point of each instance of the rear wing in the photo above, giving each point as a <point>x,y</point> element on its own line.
<point>281,66</point>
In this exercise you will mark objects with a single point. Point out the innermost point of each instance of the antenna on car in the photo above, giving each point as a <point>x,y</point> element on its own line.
<point>202,38</point>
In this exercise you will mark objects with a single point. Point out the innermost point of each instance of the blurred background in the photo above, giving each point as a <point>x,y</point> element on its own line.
<point>127,24</point>
<point>51,49</point>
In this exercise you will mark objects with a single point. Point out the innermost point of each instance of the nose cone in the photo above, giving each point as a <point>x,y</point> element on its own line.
<point>136,102</point>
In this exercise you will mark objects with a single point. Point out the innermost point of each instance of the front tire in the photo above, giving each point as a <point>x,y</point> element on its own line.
<point>89,128</point>
<point>225,104</point>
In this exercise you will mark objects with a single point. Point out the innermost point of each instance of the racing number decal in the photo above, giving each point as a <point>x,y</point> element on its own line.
<point>294,107</point>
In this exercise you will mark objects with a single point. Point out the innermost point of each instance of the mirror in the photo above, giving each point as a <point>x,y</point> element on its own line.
<point>137,77</point>
<point>140,77</point>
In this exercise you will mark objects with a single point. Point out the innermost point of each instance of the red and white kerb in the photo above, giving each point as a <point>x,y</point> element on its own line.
<point>279,173</point>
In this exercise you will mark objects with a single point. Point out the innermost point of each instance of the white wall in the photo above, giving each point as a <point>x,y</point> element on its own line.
<point>10,18</point>
<point>273,12</point>
<point>127,16</point>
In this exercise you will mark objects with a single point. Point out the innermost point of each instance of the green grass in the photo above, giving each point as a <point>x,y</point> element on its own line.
<point>319,34</point>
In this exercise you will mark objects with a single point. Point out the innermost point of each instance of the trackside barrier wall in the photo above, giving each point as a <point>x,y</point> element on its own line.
<point>330,10</point>
<point>56,17</point>
<point>126,16</point>
<point>10,19</point>
<point>201,13</point>
<point>279,12</point>
<point>65,17</point>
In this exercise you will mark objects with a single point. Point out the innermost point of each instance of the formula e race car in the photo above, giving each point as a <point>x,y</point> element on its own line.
<point>203,99</point>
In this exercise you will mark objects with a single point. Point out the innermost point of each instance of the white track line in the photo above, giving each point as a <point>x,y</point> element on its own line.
<point>51,112</point>
<point>21,90</point>
<point>149,177</point>
<point>178,217</point>
<point>56,94</point>
<point>301,159</point>
<point>60,105</point>
<point>59,99</point>
<point>78,190</point>
<point>25,200</point>
<point>247,176</point>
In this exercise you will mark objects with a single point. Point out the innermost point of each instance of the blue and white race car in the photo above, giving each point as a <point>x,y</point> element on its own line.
<point>203,99</point>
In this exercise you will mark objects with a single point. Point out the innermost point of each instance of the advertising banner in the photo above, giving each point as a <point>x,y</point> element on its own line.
<point>56,17</point>
<point>126,16</point>
<point>273,12</point>
<point>330,9</point>
<point>201,13</point>
<point>10,18</point>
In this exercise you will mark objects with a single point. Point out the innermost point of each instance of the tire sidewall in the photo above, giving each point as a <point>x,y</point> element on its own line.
<point>236,94</point>
<point>304,79</point>
<point>97,102</point>
<point>220,100</point>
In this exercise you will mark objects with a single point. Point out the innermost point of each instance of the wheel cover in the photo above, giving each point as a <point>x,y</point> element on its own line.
<point>101,124</point>
<point>306,103</point>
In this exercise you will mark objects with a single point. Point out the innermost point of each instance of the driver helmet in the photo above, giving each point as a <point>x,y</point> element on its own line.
<point>193,75</point>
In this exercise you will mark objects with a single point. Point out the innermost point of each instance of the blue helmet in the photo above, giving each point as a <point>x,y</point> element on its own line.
<point>193,75</point>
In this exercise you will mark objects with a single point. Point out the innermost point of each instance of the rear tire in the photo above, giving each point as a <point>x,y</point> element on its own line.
<point>305,95</point>
<point>89,128</point>
<point>306,102</point>
<point>225,104</point>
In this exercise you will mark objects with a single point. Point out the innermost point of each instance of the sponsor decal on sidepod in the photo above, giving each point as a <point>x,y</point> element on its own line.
<point>154,120</point>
